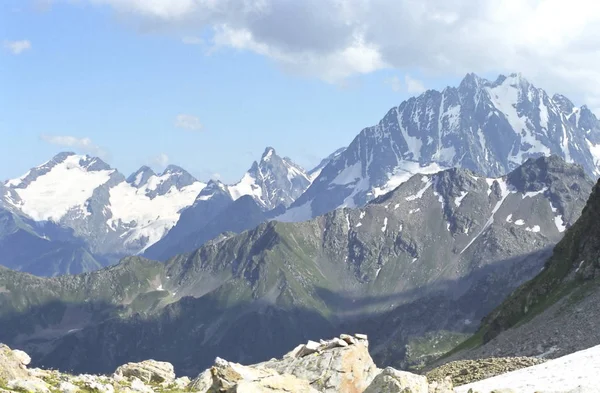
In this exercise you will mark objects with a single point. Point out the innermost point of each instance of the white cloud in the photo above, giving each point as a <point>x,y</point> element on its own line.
<point>84,145</point>
<point>17,47</point>
<point>413,86</point>
<point>552,42</point>
<point>160,160</point>
<point>188,122</point>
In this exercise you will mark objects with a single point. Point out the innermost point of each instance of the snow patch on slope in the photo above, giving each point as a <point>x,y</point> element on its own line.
<point>151,217</point>
<point>578,370</point>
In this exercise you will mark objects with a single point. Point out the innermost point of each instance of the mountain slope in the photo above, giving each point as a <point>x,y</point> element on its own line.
<point>45,251</point>
<point>557,312</point>
<point>433,256</point>
<point>488,127</point>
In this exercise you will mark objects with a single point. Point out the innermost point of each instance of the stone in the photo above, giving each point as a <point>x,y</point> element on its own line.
<point>67,387</point>
<point>361,336</point>
<point>308,348</point>
<point>148,371</point>
<point>391,380</point>
<point>13,364</point>
<point>30,385</point>
<point>294,352</point>
<point>348,338</point>
<point>22,357</point>
<point>341,369</point>
<point>202,382</point>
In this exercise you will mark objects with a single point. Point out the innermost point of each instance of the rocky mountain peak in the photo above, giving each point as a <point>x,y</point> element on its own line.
<point>273,181</point>
<point>141,176</point>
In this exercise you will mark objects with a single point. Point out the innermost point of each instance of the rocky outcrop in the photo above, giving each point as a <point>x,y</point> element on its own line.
<point>12,363</point>
<point>338,365</point>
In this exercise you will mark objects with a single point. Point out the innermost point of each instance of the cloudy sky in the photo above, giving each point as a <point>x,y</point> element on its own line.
<point>208,84</point>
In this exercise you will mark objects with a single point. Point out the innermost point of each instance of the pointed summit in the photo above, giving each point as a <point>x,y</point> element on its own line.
<point>269,152</point>
<point>272,181</point>
<point>141,176</point>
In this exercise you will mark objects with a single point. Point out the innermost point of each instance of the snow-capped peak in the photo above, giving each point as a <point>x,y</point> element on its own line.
<point>60,186</point>
<point>272,182</point>
<point>489,127</point>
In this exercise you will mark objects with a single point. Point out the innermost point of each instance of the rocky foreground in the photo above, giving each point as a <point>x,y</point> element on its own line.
<point>339,365</point>
<point>342,364</point>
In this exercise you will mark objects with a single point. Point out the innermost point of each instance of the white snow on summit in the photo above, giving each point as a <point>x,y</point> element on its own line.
<point>66,187</point>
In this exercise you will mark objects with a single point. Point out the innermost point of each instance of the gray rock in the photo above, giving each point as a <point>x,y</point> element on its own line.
<point>148,371</point>
<point>393,381</point>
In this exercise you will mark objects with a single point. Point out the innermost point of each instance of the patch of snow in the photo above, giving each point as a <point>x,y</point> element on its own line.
<point>16,182</point>
<point>397,205</point>
<point>579,371</point>
<point>151,218</point>
<point>362,214</point>
<point>420,193</point>
<point>560,223</point>
<point>519,222</point>
<point>377,272</point>
<point>531,194</point>
<point>246,186</point>
<point>505,98</point>
<point>509,218</point>
<point>411,211</point>
<point>349,175</point>
<point>403,172</point>
<point>66,186</point>
<point>385,221</point>
<point>414,260</point>
<point>535,228</point>
<point>504,192</point>
<point>359,225</point>
<point>160,288</point>
<point>458,199</point>
<point>400,227</point>
<point>414,143</point>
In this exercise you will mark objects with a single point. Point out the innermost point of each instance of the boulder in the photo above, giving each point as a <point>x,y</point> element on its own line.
<point>232,377</point>
<point>331,368</point>
<point>13,364</point>
<point>148,371</point>
<point>391,380</point>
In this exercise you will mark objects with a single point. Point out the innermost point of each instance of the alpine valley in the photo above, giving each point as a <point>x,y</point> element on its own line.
<point>413,234</point>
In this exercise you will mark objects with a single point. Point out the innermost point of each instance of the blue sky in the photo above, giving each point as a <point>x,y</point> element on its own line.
<point>112,77</point>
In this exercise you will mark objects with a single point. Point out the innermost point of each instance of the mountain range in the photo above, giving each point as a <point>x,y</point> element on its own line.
<point>427,260</point>
<point>484,126</point>
<point>114,216</point>
<point>487,127</point>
